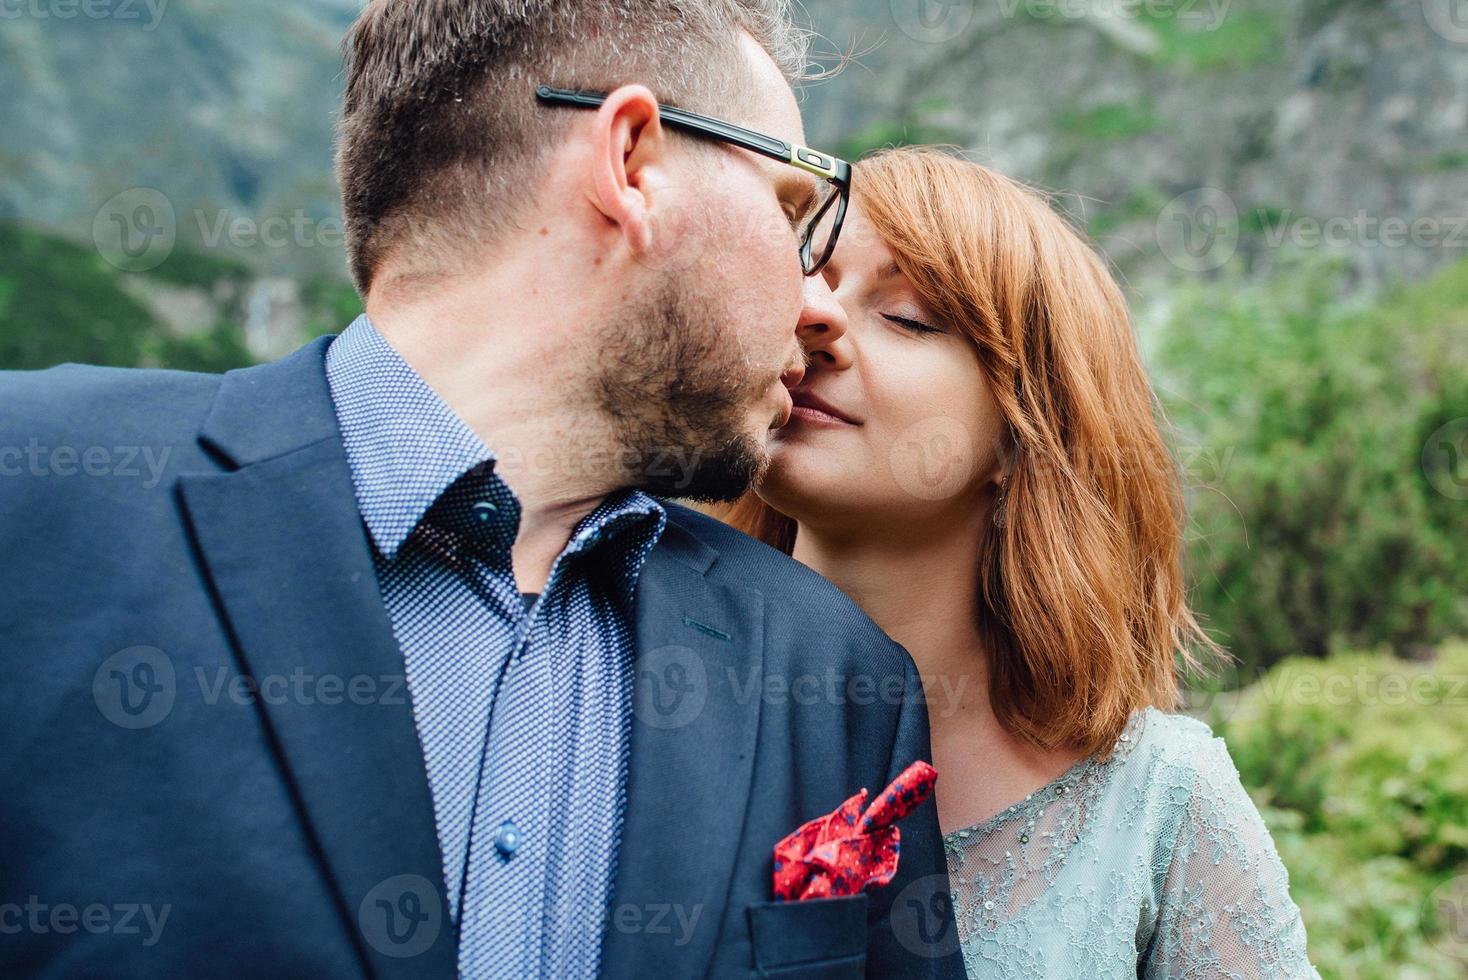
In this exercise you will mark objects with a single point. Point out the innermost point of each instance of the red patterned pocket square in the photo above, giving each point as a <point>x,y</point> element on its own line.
<point>847,849</point>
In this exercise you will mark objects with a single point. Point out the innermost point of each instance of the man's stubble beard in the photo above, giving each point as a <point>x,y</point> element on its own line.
<point>675,389</point>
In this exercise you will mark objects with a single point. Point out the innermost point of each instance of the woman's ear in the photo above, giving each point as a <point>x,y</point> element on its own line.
<point>1006,459</point>
<point>628,145</point>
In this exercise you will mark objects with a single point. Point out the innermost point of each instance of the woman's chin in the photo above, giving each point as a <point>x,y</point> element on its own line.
<point>800,477</point>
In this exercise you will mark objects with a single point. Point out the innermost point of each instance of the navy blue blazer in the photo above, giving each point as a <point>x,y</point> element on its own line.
<point>208,763</point>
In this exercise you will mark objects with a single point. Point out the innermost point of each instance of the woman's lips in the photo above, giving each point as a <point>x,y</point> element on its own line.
<point>808,415</point>
<point>812,409</point>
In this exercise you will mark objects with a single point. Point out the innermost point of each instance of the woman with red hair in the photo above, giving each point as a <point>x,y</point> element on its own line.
<point>977,462</point>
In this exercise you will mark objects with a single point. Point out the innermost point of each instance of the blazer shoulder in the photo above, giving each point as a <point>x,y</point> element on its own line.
<point>807,595</point>
<point>88,401</point>
<point>755,563</point>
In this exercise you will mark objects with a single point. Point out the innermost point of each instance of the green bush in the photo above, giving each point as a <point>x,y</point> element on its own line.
<point>1329,508</point>
<point>60,301</point>
<point>1358,765</point>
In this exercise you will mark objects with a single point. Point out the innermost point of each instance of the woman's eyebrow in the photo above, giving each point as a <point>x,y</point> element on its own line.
<point>878,283</point>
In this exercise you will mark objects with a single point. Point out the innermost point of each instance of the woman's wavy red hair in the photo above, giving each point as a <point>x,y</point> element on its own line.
<point>1083,603</point>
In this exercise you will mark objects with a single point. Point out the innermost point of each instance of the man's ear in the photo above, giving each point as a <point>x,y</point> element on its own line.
<point>628,143</point>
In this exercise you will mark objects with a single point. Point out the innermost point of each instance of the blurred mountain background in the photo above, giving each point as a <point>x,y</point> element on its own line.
<point>1287,110</point>
<point>169,194</point>
<point>1281,186</point>
<point>1189,136</point>
<point>1254,120</point>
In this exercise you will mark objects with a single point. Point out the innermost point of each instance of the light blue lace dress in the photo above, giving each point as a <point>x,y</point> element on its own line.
<point>1154,863</point>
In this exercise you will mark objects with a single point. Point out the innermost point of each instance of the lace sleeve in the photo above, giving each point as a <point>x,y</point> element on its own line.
<point>1225,911</point>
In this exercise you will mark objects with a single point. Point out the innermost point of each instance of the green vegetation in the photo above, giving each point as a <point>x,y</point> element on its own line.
<point>61,302</point>
<point>1193,37</point>
<point>1328,482</point>
<point>1357,763</point>
<point>1238,39</point>
<point>922,123</point>
<point>1143,204</point>
<point>1109,121</point>
<point>1328,473</point>
<point>1439,163</point>
<point>333,303</point>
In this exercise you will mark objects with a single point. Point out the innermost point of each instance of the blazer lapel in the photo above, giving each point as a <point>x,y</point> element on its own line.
<point>287,553</point>
<point>696,719</point>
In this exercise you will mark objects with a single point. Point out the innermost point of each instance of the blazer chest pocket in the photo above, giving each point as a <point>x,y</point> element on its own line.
<point>815,939</point>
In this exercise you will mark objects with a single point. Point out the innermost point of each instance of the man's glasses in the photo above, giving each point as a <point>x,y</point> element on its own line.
<point>817,231</point>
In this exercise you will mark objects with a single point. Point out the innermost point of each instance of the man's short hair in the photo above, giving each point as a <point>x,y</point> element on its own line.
<point>441,134</point>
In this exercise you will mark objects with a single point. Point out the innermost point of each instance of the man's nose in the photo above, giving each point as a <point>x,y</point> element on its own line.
<point>822,324</point>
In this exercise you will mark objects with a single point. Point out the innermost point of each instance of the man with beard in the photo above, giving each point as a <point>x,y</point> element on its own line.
<point>406,667</point>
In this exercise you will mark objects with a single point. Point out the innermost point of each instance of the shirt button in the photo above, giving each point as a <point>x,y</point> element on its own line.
<point>484,510</point>
<point>507,838</point>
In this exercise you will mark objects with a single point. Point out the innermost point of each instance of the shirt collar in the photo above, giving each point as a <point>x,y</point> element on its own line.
<point>403,442</point>
<point>406,446</point>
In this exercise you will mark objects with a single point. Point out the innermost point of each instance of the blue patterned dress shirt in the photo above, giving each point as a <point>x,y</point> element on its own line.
<point>522,704</point>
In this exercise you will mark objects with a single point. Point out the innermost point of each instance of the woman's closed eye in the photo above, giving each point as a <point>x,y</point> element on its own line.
<point>916,326</point>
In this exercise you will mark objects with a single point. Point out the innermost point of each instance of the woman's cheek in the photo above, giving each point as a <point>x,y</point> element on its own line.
<point>925,445</point>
